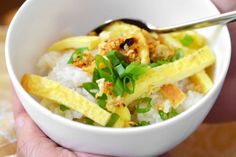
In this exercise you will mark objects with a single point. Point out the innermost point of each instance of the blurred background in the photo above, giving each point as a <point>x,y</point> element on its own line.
<point>7,10</point>
<point>7,129</point>
<point>209,140</point>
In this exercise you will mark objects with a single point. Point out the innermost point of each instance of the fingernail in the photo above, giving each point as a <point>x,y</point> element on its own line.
<point>20,121</point>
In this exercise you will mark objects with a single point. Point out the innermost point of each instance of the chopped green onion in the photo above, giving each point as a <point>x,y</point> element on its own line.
<point>116,58</point>
<point>165,116</point>
<point>107,74</point>
<point>136,69</point>
<point>114,117</point>
<point>102,101</point>
<point>104,68</point>
<point>89,121</point>
<point>147,101</point>
<point>161,62</point>
<point>186,40</point>
<point>152,65</point>
<point>120,70</point>
<point>63,107</point>
<point>143,123</point>
<point>118,89</point>
<point>128,84</point>
<point>101,62</point>
<point>173,113</point>
<point>78,52</point>
<point>111,55</point>
<point>91,87</point>
<point>178,54</point>
<point>96,75</point>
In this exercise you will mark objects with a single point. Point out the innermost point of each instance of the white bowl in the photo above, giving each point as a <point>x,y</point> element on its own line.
<point>39,23</point>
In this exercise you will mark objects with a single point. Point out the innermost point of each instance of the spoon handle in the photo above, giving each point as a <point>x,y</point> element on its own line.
<point>201,23</point>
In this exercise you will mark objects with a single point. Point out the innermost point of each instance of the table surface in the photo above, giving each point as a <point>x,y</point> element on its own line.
<point>209,140</point>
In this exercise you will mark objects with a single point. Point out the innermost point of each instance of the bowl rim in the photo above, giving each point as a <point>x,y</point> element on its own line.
<point>89,128</point>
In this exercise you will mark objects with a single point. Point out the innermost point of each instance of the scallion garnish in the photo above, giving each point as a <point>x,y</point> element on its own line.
<point>186,40</point>
<point>116,58</point>
<point>144,101</point>
<point>161,62</point>
<point>118,88</point>
<point>112,56</point>
<point>143,123</point>
<point>173,113</point>
<point>114,117</point>
<point>165,116</point>
<point>135,69</point>
<point>101,62</point>
<point>63,108</point>
<point>96,75</point>
<point>114,69</point>
<point>78,53</point>
<point>120,70</point>
<point>178,54</point>
<point>89,121</point>
<point>91,87</point>
<point>102,101</point>
<point>104,68</point>
<point>128,84</point>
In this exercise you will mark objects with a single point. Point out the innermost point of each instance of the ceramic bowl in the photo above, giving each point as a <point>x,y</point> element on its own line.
<point>38,24</point>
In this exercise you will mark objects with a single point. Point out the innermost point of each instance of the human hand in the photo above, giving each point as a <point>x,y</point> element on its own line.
<point>32,142</point>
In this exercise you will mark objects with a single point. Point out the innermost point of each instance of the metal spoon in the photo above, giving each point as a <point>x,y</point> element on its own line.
<point>201,23</point>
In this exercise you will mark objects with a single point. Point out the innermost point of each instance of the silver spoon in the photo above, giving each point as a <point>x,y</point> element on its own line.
<point>201,23</point>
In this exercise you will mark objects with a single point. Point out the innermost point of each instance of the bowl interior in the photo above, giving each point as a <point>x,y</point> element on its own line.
<point>37,25</point>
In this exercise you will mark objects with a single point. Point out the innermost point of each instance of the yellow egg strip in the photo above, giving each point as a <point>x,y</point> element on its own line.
<point>52,90</point>
<point>172,72</point>
<point>202,82</point>
<point>173,93</point>
<point>91,42</point>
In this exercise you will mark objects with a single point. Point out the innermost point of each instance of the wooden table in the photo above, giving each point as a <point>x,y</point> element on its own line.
<point>215,140</point>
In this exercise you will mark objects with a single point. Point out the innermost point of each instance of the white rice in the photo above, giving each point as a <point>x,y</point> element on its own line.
<point>70,76</point>
<point>192,97</point>
<point>167,106</point>
<point>55,65</point>
<point>157,98</point>
<point>152,116</point>
<point>185,85</point>
<point>47,62</point>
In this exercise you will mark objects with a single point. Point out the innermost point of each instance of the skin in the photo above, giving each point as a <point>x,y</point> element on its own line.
<point>31,141</point>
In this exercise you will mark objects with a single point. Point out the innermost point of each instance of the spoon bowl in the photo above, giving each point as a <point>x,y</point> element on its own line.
<point>201,23</point>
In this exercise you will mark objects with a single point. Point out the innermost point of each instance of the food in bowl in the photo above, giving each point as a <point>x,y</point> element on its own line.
<point>123,77</point>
